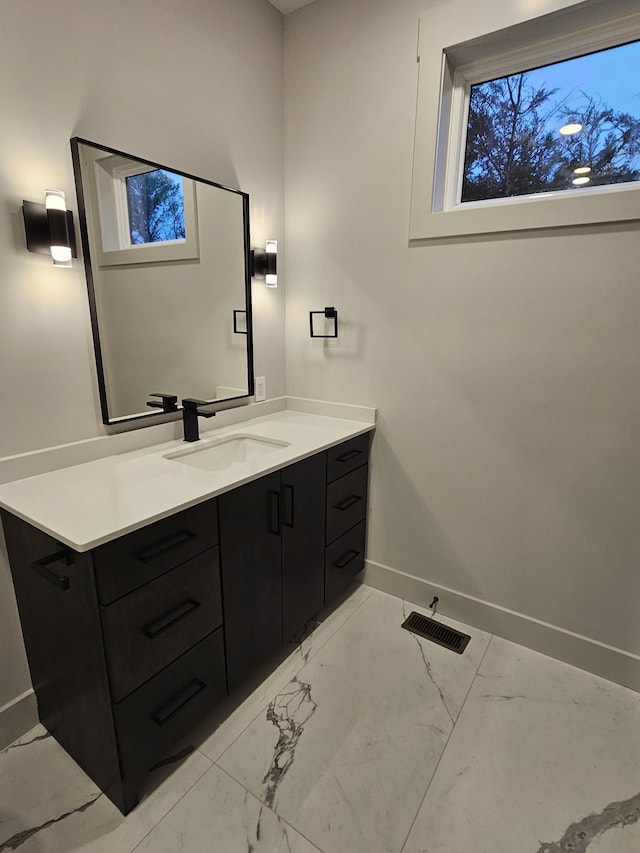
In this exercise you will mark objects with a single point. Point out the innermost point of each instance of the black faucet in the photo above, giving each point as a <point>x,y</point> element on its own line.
<point>168,404</point>
<point>190,415</point>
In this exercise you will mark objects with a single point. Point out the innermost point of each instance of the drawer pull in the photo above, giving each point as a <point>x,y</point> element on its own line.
<point>164,546</point>
<point>348,456</point>
<point>42,568</point>
<point>347,502</point>
<point>167,711</point>
<point>346,559</point>
<point>287,519</point>
<point>176,614</point>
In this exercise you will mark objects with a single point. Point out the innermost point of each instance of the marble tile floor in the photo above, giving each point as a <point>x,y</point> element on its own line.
<point>366,739</point>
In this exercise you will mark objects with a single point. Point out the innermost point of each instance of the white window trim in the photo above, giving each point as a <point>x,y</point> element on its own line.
<point>455,50</point>
<point>110,216</point>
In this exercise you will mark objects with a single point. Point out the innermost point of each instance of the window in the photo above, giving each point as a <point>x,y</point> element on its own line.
<point>155,207</point>
<point>489,155</point>
<point>140,214</point>
<point>565,126</point>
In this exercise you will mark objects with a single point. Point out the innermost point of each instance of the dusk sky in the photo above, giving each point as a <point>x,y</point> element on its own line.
<point>613,75</point>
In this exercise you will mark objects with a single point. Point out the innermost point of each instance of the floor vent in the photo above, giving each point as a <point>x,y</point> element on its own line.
<point>436,632</point>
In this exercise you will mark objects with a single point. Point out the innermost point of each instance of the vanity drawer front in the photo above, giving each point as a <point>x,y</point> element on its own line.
<point>147,629</point>
<point>163,709</point>
<point>347,456</point>
<point>344,558</point>
<point>131,561</point>
<point>346,502</point>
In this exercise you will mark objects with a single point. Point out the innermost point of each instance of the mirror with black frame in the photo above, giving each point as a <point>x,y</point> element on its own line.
<point>167,263</point>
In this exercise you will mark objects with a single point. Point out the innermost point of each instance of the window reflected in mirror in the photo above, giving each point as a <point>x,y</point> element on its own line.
<point>155,207</point>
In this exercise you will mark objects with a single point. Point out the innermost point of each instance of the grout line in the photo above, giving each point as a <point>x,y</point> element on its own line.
<point>263,805</point>
<point>296,673</point>
<point>332,635</point>
<point>435,769</point>
<point>179,800</point>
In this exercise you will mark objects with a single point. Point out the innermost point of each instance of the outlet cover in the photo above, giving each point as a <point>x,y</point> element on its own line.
<point>261,388</point>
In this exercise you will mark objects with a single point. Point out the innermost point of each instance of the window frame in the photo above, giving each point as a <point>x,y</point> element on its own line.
<point>111,215</point>
<point>566,31</point>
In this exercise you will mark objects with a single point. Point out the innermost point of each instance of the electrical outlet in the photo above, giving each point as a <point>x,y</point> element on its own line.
<point>261,388</point>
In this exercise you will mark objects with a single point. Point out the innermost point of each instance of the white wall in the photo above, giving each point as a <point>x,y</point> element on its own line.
<point>505,369</point>
<point>196,85</point>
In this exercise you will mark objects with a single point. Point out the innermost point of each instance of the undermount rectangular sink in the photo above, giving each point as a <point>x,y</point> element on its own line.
<point>225,452</point>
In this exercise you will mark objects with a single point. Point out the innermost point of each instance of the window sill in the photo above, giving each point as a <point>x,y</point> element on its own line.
<point>549,210</point>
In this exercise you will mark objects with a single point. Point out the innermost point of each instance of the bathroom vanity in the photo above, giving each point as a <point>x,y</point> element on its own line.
<point>152,583</point>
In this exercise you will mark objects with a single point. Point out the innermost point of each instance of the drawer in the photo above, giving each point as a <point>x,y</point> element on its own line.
<point>344,558</point>
<point>347,456</point>
<point>161,711</point>
<point>147,629</point>
<point>134,559</point>
<point>346,502</point>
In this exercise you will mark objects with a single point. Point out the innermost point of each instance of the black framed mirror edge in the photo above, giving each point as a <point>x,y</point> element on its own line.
<point>75,142</point>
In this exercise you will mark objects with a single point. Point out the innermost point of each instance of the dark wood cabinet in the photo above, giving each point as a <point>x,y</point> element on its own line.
<point>272,543</point>
<point>251,576</point>
<point>303,522</point>
<point>346,528</point>
<point>58,609</point>
<point>126,563</point>
<point>147,629</point>
<point>346,456</point>
<point>164,708</point>
<point>129,643</point>
<point>346,502</point>
<point>344,558</point>
<point>102,671</point>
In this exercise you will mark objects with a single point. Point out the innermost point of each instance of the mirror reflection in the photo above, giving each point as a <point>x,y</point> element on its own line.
<point>166,257</point>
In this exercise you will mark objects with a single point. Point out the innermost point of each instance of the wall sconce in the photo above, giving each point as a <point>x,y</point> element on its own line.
<point>49,228</point>
<point>329,313</point>
<point>264,263</point>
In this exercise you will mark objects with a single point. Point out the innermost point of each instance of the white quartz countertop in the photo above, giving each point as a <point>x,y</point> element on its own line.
<point>86,505</point>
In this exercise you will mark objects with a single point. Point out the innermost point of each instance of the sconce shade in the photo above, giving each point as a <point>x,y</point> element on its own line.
<point>49,228</point>
<point>265,263</point>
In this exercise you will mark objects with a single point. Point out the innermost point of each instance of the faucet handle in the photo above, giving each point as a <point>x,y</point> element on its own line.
<point>191,404</point>
<point>168,404</point>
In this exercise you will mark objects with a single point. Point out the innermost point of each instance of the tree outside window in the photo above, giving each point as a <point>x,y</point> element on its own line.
<point>516,140</point>
<point>155,203</point>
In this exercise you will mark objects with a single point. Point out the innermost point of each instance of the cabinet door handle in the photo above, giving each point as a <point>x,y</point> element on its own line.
<point>347,502</point>
<point>176,540</point>
<point>274,513</point>
<point>176,614</point>
<point>348,456</point>
<point>287,514</point>
<point>167,711</point>
<point>42,568</point>
<point>346,559</point>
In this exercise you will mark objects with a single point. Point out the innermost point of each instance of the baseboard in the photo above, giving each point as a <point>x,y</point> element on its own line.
<point>595,657</point>
<point>18,717</point>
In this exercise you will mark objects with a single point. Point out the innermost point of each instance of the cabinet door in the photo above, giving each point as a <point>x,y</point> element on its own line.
<point>303,521</point>
<point>61,628</point>
<point>250,544</point>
